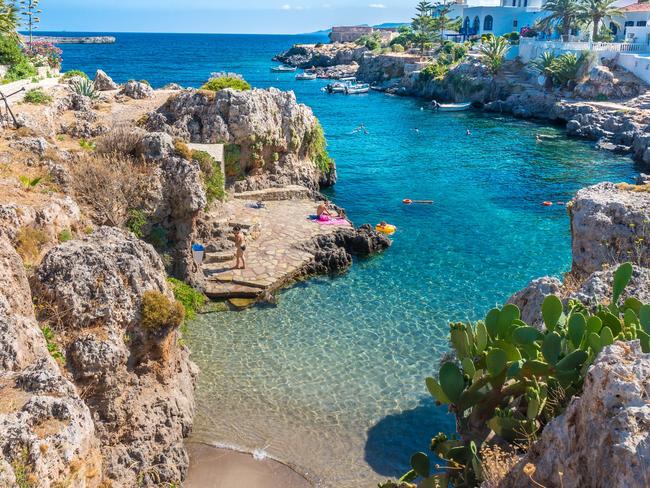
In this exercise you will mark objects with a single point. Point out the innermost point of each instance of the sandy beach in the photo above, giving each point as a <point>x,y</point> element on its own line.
<point>212,467</point>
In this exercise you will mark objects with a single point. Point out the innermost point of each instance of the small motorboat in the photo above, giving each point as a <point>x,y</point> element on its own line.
<point>356,89</point>
<point>340,85</point>
<point>306,76</point>
<point>283,68</point>
<point>451,107</point>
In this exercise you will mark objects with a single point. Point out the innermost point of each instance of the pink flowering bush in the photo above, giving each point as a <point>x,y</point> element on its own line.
<point>44,54</point>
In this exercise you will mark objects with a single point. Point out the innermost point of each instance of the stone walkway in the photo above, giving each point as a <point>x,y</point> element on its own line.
<point>273,254</point>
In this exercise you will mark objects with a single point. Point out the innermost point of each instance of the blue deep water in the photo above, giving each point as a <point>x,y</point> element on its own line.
<point>331,379</point>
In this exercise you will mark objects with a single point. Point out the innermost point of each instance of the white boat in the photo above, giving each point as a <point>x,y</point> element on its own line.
<point>336,87</point>
<point>306,76</point>
<point>356,89</point>
<point>283,68</point>
<point>452,107</point>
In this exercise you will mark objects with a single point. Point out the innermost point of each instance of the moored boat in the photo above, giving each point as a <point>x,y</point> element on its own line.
<point>283,68</point>
<point>451,107</point>
<point>357,89</point>
<point>306,76</point>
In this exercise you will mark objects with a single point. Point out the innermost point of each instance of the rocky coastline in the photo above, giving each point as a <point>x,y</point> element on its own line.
<point>97,384</point>
<point>621,123</point>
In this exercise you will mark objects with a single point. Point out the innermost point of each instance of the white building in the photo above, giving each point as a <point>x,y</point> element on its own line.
<point>634,25</point>
<point>509,16</point>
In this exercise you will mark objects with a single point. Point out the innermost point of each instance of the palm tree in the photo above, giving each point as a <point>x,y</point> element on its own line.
<point>562,13</point>
<point>493,53</point>
<point>594,11</point>
<point>8,19</point>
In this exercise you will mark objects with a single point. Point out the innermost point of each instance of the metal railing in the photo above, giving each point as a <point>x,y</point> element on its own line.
<point>622,47</point>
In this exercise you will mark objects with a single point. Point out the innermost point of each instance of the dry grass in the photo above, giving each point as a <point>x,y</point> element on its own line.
<point>634,188</point>
<point>496,464</point>
<point>110,185</point>
<point>30,242</point>
<point>122,139</point>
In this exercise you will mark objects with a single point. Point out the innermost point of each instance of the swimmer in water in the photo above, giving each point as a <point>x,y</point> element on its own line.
<point>469,132</point>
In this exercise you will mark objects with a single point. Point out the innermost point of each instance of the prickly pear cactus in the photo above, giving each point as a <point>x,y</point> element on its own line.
<point>510,379</point>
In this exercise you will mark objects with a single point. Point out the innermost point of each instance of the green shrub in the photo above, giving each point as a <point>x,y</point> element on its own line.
<point>493,53</point>
<point>223,82</point>
<point>434,71</point>
<point>72,73</point>
<point>136,222</point>
<point>87,145</point>
<point>65,235</point>
<point>85,88</point>
<point>145,82</point>
<point>372,41</point>
<point>37,96</point>
<point>459,51</point>
<point>508,379</point>
<point>601,97</point>
<point>30,241</point>
<point>10,51</point>
<point>22,70</point>
<point>158,237</point>
<point>212,176</point>
<point>159,312</point>
<point>397,48</point>
<point>191,299</point>
<point>232,161</point>
<point>52,346</point>
<point>317,149</point>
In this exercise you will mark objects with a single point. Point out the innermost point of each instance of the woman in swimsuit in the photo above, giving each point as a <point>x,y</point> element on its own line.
<point>240,247</point>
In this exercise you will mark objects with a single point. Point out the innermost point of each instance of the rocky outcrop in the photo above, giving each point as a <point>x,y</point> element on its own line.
<point>137,90</point>
<point>277,139</point>
<point>103,82</point>
<point>47,435</point>
<point>322,55</point>
<point>603,437</point>
<point>138,382</point>
<point>602,82</point>
<point>609,224</point>
<point>51,216</point>
<point>333,252</point>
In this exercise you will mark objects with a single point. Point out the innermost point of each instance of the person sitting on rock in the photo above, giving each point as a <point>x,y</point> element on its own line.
<point>323,209</point>
<point>240,247</point>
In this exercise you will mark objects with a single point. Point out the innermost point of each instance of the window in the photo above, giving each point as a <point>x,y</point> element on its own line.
<point>614,28</point>
<point>629,23</point>
<point>514,24</point>
<point>477,25</point>
<point>641,23</point>
<point>487,23</point>
<point>514,3</point>
<point>525,3</point>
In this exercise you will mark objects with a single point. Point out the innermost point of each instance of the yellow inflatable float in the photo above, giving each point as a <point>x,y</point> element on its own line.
<point>385,228</point>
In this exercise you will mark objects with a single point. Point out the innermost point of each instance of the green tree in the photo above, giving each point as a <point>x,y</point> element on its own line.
<point>423,25</point>
<point>563,14</point>
<point>594,11</point>
<point>493,53</point>
<point>8,19</point>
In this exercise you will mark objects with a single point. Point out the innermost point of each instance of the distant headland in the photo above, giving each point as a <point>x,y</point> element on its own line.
<point>76,40</point>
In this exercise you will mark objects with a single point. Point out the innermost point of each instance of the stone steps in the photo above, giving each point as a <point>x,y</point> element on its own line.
<point>221,291</point>
<point>218,257</point>
<point>291,192</point>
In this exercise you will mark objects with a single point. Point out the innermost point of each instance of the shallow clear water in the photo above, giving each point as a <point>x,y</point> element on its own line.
<point>331,378</point>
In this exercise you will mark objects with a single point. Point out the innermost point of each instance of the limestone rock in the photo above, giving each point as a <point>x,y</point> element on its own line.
<point>609,225</point>
<point>324,55</point>
<point>274,134</point>
<point>155,145</point>
<point>139,382</point>
<point>103,82</point>
<point>45,428</point>
<point>137,90</point>
<point>530,299</point>
<point>603,437</point>
<point>184,187</point>
<point>598,287</point>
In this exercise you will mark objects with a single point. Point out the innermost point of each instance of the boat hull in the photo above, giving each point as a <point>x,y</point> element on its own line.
<point>454,107</point>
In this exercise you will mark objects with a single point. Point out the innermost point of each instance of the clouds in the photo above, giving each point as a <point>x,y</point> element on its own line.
<point>286,6</point>
<point>377,5</point>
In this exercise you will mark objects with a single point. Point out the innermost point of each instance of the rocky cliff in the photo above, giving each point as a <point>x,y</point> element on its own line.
<point>322,55</point>
<point>277,141</point>
<point>603,437</point>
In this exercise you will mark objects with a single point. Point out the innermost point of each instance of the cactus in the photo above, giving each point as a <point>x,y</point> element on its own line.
<point>506,370</point>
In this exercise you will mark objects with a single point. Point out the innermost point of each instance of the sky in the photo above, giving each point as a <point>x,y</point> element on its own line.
<point>218,16</point>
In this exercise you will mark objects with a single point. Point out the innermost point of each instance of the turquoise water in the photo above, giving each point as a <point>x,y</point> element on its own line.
<point>331,378</point>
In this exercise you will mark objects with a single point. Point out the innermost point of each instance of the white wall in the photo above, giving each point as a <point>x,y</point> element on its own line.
<point>635,64</point>
<point>503,18</point>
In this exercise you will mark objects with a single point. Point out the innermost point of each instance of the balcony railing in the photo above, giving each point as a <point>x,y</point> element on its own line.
<point>622,47</point>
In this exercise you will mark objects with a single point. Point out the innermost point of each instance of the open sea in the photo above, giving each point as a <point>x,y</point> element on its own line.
<point>331,379</point>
